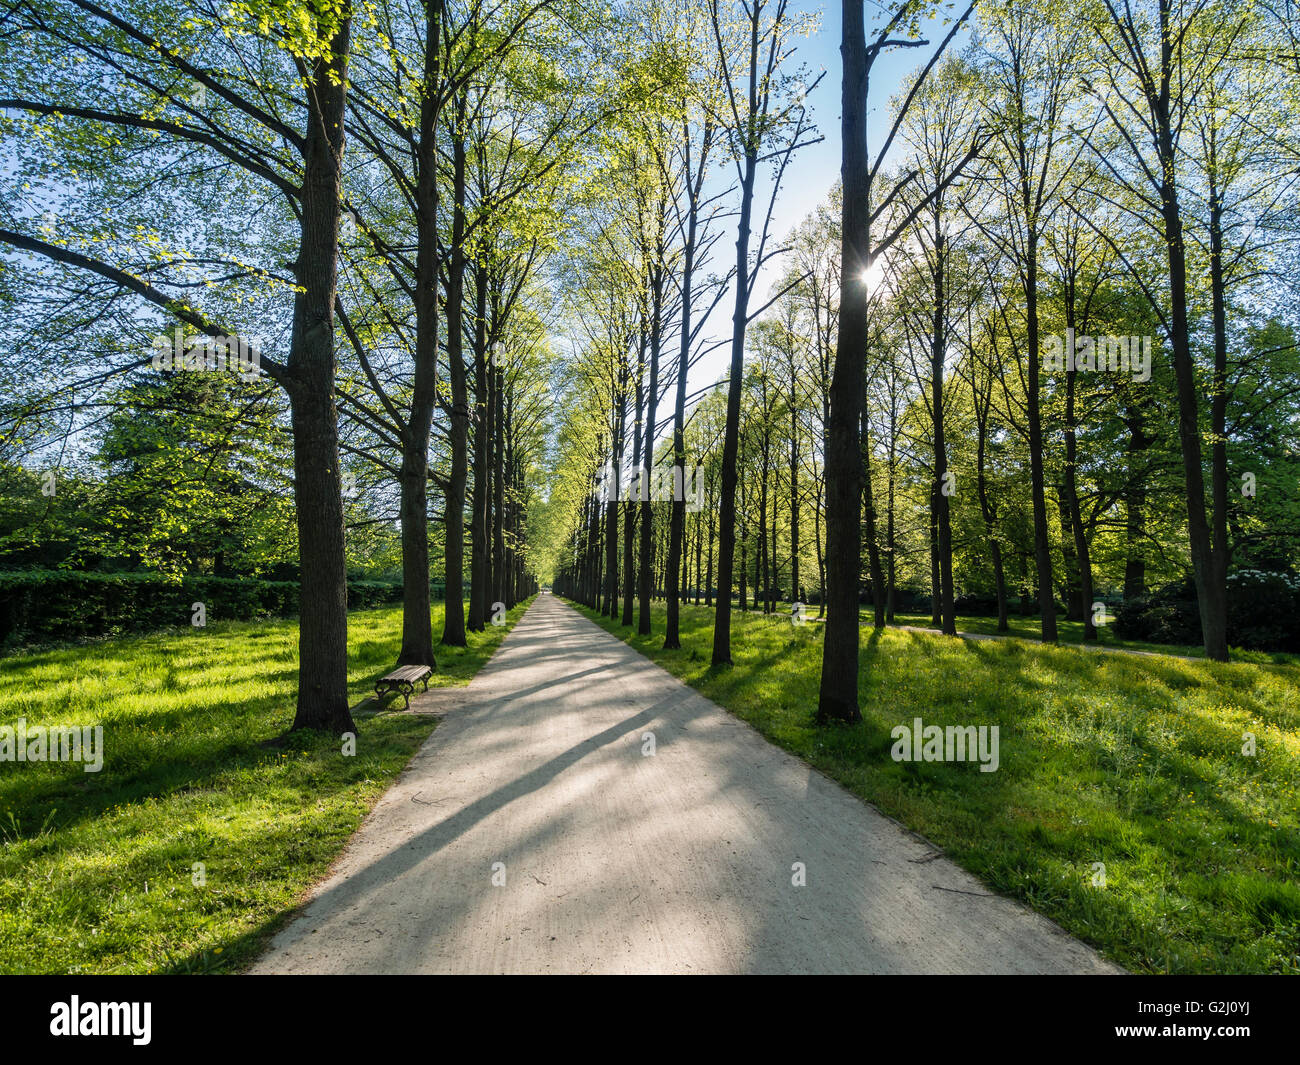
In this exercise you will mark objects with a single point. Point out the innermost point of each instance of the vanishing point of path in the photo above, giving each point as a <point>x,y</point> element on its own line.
<point>615,861</point>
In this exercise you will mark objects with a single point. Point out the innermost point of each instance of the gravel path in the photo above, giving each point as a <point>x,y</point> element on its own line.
<point>617,861</point>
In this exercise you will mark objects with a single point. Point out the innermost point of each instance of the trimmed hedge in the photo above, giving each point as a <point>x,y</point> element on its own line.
<point>47,605</point>
<point>1262,608</point>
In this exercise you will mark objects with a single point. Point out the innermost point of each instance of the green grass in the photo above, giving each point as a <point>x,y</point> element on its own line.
<point>96,869</point>
<point>1071,632</point>
<point>1132,761</point>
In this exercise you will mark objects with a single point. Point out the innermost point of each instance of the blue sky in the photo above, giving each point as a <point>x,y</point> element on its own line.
<point>815,169</point>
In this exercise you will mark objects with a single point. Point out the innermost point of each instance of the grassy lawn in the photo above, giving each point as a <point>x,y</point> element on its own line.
<point>97,869</point>
<point>1131,761</point>
<point>1071,632</point>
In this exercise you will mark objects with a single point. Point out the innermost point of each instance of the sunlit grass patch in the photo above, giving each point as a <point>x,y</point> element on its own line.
<point>98,870</point>
<point>1029,627</point>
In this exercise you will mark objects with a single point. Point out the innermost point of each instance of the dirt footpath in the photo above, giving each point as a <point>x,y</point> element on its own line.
<point>534,833</point>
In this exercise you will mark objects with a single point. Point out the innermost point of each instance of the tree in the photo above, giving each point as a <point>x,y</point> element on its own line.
<point>763,117</point>
<point>838,694</point>
<point>160,79</point>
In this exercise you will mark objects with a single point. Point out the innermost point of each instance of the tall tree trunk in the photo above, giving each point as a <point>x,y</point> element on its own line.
<point>672,638</point>
<point>821,557</point>
<point>1070,567</point>
<point>647,573</point>
<point>597,555</point>
<point>478,533</point>
<point>1218,575</point>
<point>1081,552</point>
<point>453,629</point>
<point>1037,477</point>
<point>1210,595</point>
<point>775,591</point>
<point>501,566</point>
<point>631,506</point>
<point>936,596</point>
<point>1135,495</point>
<point>838,694</point>
<point>762,579</point>
<point>987,510</point>
<point>1170,82</point>
<point>699,550</point>
<point>417,622</point>
<point>869,510</point>
<point>610,606</point>
<point>1135,576</point>
<point>731,434</point>
<point>744,569</point>
<point>510,540</point>
<point>708,577</point>
<point>491,516</point>
<point>318,485</point>
<point>943,517</point>
<point>795,592</point>
<point>891,542</point>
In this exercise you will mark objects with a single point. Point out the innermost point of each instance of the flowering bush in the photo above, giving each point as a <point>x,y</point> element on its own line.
<point>1262,611</point>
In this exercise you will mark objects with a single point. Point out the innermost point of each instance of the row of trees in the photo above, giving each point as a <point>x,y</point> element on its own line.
<point>440,219</point>
<point>734,107</point>
<point>371,192</point>
<point>1070,253</point>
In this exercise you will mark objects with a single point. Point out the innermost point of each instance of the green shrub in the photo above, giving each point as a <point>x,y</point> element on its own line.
<point>1262,609</point>
<point>47,605</point>
<point>1261,613</point>
<point>1166,615</point>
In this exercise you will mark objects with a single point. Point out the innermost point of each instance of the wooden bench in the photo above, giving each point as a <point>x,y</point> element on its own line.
<point>402,680</point>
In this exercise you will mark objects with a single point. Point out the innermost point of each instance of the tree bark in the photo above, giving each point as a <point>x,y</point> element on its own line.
<point>478,534</point>
<point>943,517</point>
<point>731,434</point>
<point>677,529</point>
<point>648,446</point>
<point>631,505</point>
<point>838,694</point>
<point>453,630</point>
<point>869,511</point>
<point>500,566</point>
<point>1037,477</point>
<point>318,485</point>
